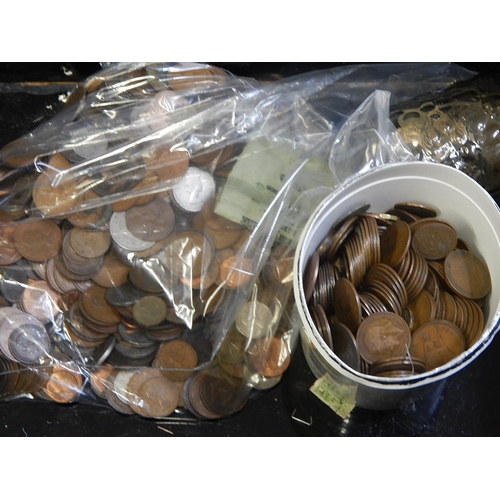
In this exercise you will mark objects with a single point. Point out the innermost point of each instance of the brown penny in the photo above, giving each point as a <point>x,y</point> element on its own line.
<point>437,343</point>
<point>416,208</point>
<point>177,359</point>
<point>93,303</point>
<point>345,345</point>
<point>235,271</point>
<point>311,275</point>
<point>87,217</point>
<point>112,273</point>
<point>423,308</point>
<point>149,310</point>
<point>270,357</point>
<point>54,198</point>
<point>467,275</point>
<point>152,395</point>
<point>167,165</point>
<point>38,240</point>
<point>346,304</point>
<point>64,384</point>
<point>90,243</point>
<point>153,221</point>
<point>394,243</point>
<point>193,400</point>
<point>383,335</point>
<point>434,240</point>
<point>8,253</point>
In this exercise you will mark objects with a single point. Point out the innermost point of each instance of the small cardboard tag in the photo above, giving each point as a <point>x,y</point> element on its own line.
<point>339,397</point>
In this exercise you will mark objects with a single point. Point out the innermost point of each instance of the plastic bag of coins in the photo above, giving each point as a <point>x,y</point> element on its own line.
<point>397,293</point>
<point>147,237</point>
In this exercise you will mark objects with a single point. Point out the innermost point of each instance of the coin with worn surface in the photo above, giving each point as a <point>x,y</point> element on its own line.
<point>346,304</point>
<point>8,252</point>
<point>235,271</point>
<point>38,240</point>
<point>177,359</point>
<point>254,319</point>
<point>29,343</point>
<point>394,243</point>
<point>383,335</point>
<point>434,240</point>
<point>89,243</point>
<point>437,343</point>
<point>416,208</point>
<point>149,310</point>
<point>168,165</point>
<point>193,400</point>
<point>123,237</point>
<point>65,383</point>
<point>467,275</point>
<point>270,356</point>
<point>311,275</point>
<point>54,198</point>
<point>112,273</point>
<point>98,379</point>
<point>345,345</point>
<point>41,301</point>
<point>93,302</point>
<point>153,221</point>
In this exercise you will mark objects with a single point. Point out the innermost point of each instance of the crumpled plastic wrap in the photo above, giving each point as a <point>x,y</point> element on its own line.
<point>148,231</point>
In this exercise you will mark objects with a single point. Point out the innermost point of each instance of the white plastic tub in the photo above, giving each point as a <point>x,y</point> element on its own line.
<point>459,200</point>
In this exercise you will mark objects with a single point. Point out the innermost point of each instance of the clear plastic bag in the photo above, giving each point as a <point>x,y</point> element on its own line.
<point>148,231</point>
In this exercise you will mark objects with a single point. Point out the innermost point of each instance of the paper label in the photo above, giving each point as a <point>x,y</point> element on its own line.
<point>339,397</point>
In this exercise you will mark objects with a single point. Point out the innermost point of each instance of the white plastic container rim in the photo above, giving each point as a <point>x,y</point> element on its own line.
<point>459,199</point>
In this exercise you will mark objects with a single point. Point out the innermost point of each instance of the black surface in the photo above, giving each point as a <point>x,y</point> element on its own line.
<point>465,405</point>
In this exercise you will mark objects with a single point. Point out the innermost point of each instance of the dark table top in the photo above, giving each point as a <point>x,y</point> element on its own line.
<point>464,405</point>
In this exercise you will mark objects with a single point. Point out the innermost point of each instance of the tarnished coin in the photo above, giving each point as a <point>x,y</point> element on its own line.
<point>41,301</point>
<point>53,196</point>
<point>94,304</point>
<point>38,240</point>
<point>346,304</point>
<point>193,400</point>
<point>394,243</point>
<point>168,165</point>
<point>153,221</point>
<point>98,379</point>
<point>270,356</point>
<point>437,343</point>
<point>467,275</point>
<point>176,359</point>
<point>8,252</point>
<point>65,383</point>
<point>416,208</point>
<point>423,308</point>
<point>434,240</point>
<point>235,271</point>
<point>311,275</point>
<point>89,243</point>
<point>149,311</point>
<point>345,345</point>
<point>123,237</point>
<point>383,335</point>
<point>30,343</point>
<point>112,273</point>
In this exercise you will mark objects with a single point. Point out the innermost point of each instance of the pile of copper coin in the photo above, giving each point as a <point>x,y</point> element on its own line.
<point>120,294</point>
<point>397,293</point>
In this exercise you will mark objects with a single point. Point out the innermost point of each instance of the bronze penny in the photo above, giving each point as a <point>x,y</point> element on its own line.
<point>346,304</point>
<point>383,335</point>
<point>89,243</point>
<point>434,240</point>
<point>423,308</point>
<point>467,275</point>
<point>193,400</point>
<point>345,345</point>
<point>166,164</point>
<point>65,383</point>
<point>235,272</point>
<point>149,311</point>
<point>416,208</point>
<point>87,217</point>
<point>93,303</point>
<point>311,275</point>
<point>177,359</point>
<point>54,198</point>
<point>8,253</point>
<point>112,273</point>
<point>394,243</point>
<point>152,395</point>
<point>153,221</point>
<point>38,240</point>
<point>270,357</point>
<point>437,343</point>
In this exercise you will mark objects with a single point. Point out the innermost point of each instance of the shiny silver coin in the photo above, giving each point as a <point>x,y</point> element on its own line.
<point>29,343</point>
<point>123,237</point>
<point>193,190</point>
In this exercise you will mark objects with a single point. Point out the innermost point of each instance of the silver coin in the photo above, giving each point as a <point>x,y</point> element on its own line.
<point>259,381</point>
<point>254,319</point>
<point>193,190</point>
<point>121,384</point>
<point>123,237</point>
<point>29,343</point>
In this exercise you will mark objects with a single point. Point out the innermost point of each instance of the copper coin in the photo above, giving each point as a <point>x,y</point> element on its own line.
<point>193,400</point>
<point>177,359</point>
<point>149,311</point>
<point>65,383</point>
<point>153,221</point>
<point>166,164</point>
<point>235,271</point>
<point>90,243</point>
<point>394,243</point>
<point>87,217</point>
<point>112,273</point>
<point>8,253</point>
<point>54,198</point>
<point>311,275</point>
<point>383,335</point>
<point>416,208</point>
<point>423,308</point>
<point>345,345</point>
<point>437,343</point>
<point>346,304</point>
<point>467,275</point>
<point>270,357</point>
<point>38,240</point>
<point>93,302</point>
<point>434,240</point>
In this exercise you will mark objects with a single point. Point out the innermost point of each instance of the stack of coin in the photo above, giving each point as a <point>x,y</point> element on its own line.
<point>404,296</point>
